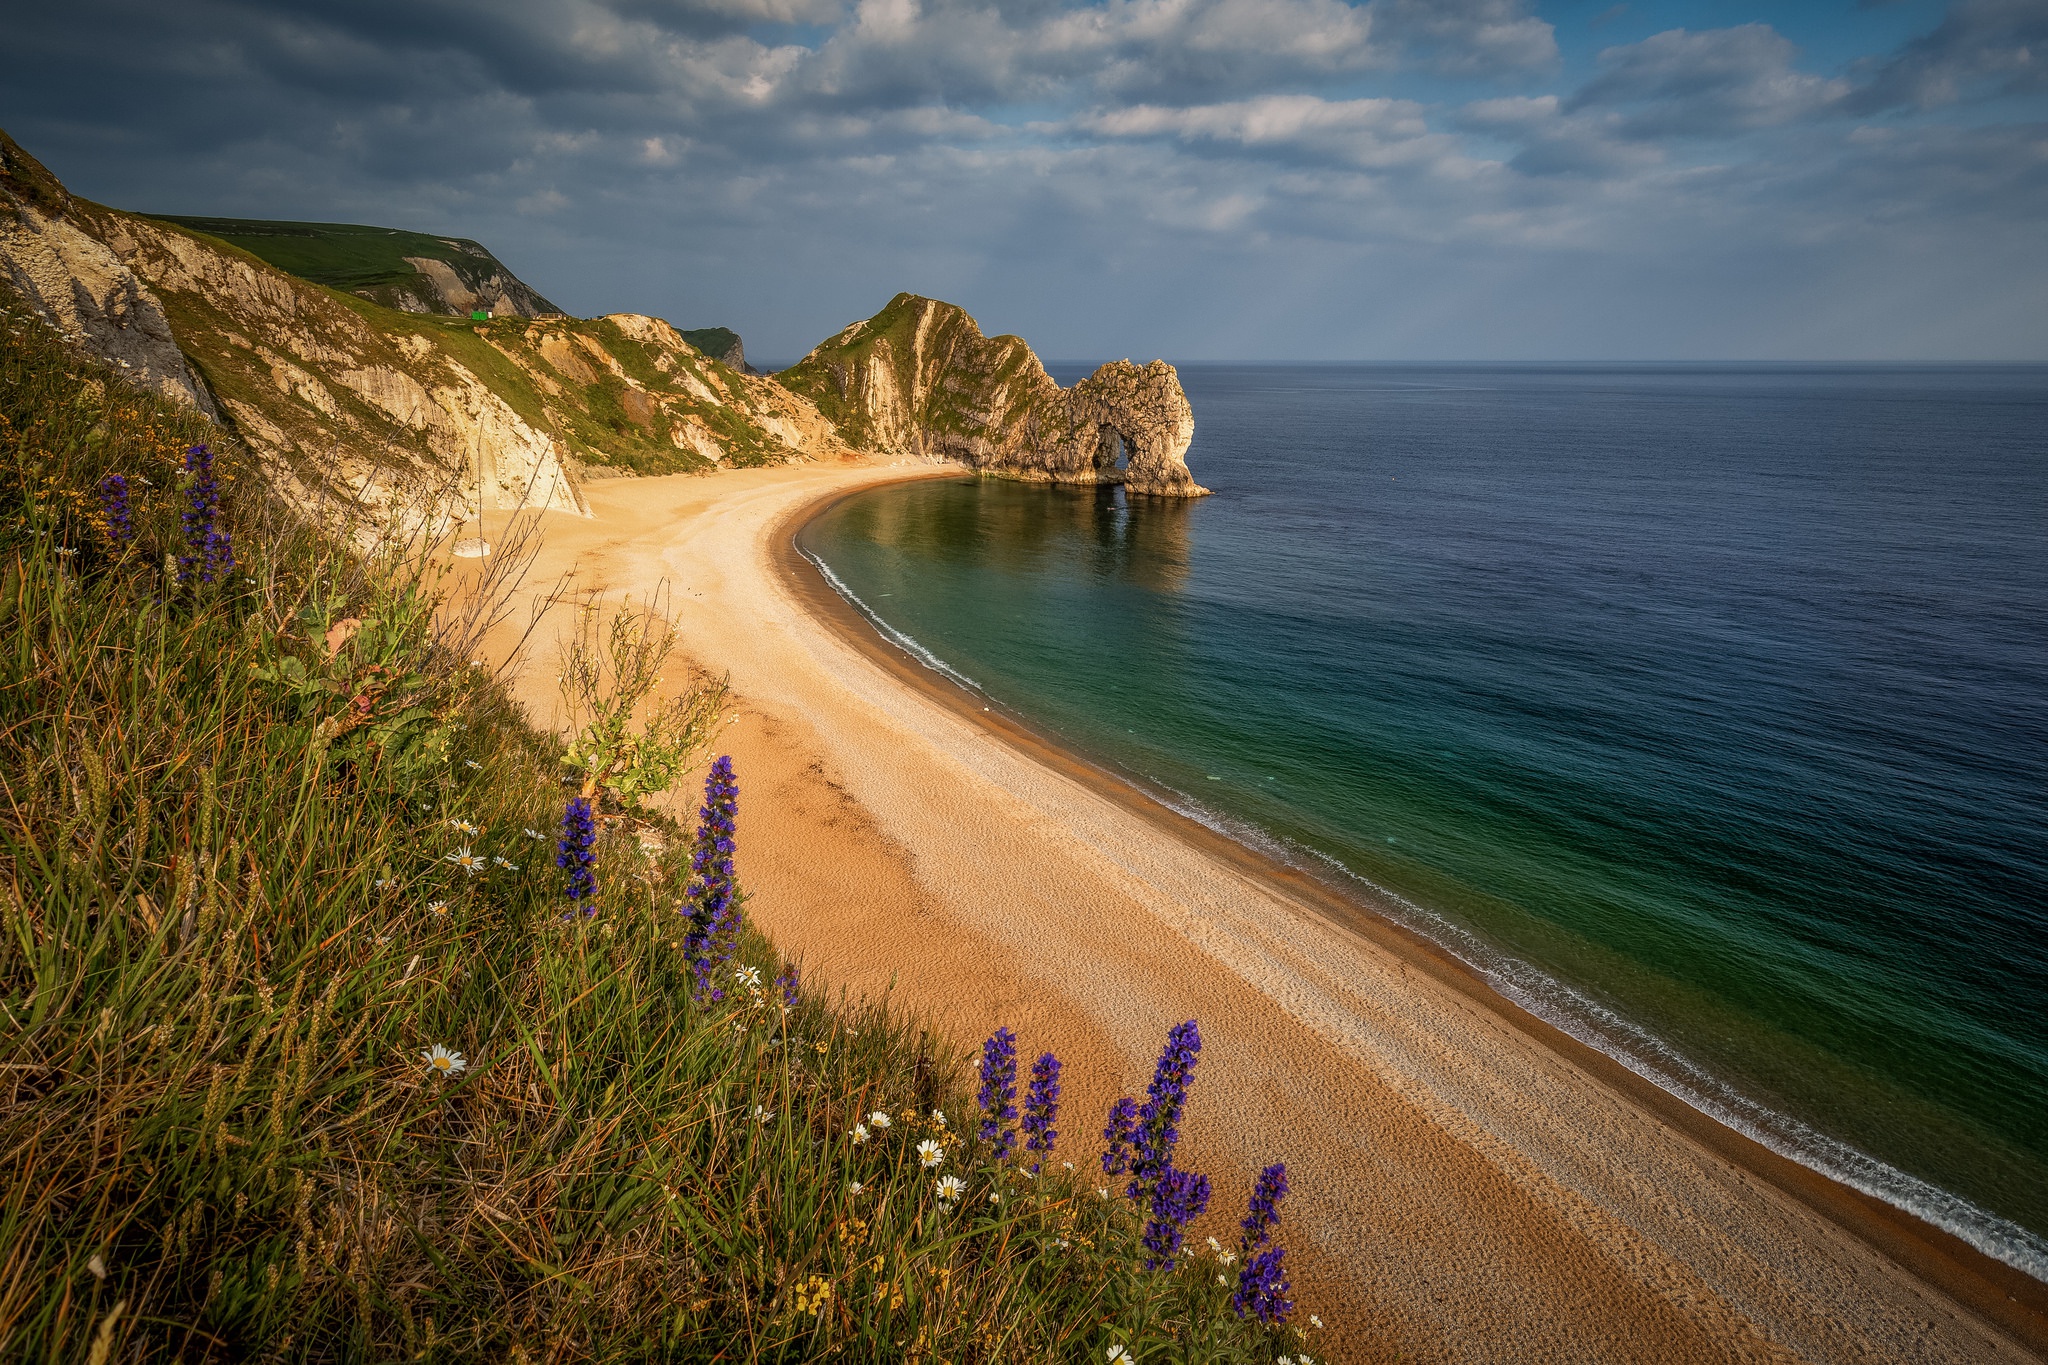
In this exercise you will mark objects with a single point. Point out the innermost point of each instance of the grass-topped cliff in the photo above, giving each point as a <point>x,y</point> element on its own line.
<point>307,1053</point>
<point>410,271</point>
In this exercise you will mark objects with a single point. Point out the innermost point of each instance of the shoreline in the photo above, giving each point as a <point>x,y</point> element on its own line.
<point>1470,1183</point>
<point>2003,1294</point>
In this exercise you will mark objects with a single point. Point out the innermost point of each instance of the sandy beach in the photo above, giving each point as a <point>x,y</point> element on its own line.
<point>1469,1184</point>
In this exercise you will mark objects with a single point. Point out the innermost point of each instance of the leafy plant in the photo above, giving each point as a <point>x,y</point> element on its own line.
<point>611,665</point>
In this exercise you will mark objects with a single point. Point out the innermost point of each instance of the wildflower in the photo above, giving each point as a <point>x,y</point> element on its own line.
<point>879,1119</point>
<point>471,763</point>
<point>1223,1279</point>
<point>1178,1197</point>
<point>576,852</point>
<point>1156,1129</point>
<point>994,1197</point>
<point>939,1117</point>
<point>114,506</point>
<point>750,977</point>
<point>786,981</point>
<point>854,1187</point>
<point>439,908</point>
<point>441,1062</point>
<point>467,861</point>
<point>929,1153</point>
<point>714,921</point>
<point>1215,1247</point>
<point>763,1115</point>
<point>1041,1107</point>
<point>533,834</point>
<point>1262,1288</point>
<point>1101,1192</point>
<point>951,1187</point>
<point>383,883</point>
<point>1119,1356</point>
<point>1263,1214</point>
<point>464,827</point>
<point>1117,1133</point>
<point>860,1133</point>
<point>1068,1164</point>
<point>208,552</point>
<point>500,862</point>
<point>1315,1322</point>
<point>998,1090</point>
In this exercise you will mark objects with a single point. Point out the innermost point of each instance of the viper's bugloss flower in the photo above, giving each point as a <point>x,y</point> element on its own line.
<point>208,552</point>
<point>790,984</point>
<point>114,505</point>
<point>1264,1214</point>
<point>1262,1288</point>
<point>1123,1116</point>
<point>998,1091</point>
<point>1178,1198</point>
<point>576,853</point>
<point>1042,1107</point>
<point>714,919</point>
<point>1157,1128</point>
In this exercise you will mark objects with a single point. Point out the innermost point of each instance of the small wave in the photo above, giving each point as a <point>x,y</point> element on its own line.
<point>908,644</point>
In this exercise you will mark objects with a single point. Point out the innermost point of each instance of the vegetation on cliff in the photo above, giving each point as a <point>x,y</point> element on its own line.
<point>304,1053</point>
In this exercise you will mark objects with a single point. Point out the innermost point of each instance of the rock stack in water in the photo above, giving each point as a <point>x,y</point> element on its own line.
<point>919,378</point>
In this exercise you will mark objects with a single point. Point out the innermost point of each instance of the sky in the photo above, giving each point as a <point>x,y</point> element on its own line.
<point>1394,180</point>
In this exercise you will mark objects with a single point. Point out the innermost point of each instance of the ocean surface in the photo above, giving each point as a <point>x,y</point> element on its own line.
<point>1704,709</point>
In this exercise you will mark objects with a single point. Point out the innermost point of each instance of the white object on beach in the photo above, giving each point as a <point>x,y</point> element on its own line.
<point>471,547</point>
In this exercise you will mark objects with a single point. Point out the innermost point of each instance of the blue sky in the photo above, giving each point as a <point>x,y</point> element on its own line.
<point>1197,179</point>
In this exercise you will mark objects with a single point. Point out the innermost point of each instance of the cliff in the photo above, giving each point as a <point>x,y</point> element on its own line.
<point>353,405</point>
<point>920,378</point>
<point>410,271</point>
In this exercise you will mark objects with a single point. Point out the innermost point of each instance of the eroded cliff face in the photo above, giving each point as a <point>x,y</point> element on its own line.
<point>920,378</point>
<point>358,408</point>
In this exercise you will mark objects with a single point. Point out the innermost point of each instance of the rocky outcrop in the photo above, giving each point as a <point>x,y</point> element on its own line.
<point>920,378</point>
<point>81,287</point>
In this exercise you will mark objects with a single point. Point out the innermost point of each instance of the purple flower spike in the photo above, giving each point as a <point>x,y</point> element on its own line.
<point>789,983</point>
<point>1157,1128</point>
<point>1123,1117</point>
<point>1264,1215</point>
<point>1178,1198</point>
<point>714,917</point>
<point>1262,1289</point>
<point>1042,1106</point>
<point>999,1091</point>
<point>208,553</point>
<point>114,504</point>
<point>576,854</point>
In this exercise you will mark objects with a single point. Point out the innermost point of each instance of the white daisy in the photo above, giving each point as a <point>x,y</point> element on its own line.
<point>879,1119</point>
<point>1068,1164</point>
<point>1101,1193</point>
<point>441,1062</point>
<point>1315,1322</point>
<point>383,883</point>
<point>939,1117</point>
<point>471,863</point>
<point>1119,1356</point>
<point>439,909</point>
<point>1215,1247</point>
<point>471,763</point>
<point>854,1187</point>
<point>500,862</point>
<point>463,827</point>
<point>533,834</point>
<point>1223,1279</point>
<point>994,1198</point>
<point>1226,1257</point>
<point>750,977</point>
<point>860,1132</point>
<point>951,1186</point>
<point>929,1153</point>
<point>763,1115</point>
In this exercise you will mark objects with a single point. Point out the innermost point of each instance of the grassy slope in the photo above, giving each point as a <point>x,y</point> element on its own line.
<point>347,256</point>
<point>229,926</point>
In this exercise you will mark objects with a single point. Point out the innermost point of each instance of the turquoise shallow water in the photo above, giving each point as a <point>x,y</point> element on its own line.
<point>1704,709</point>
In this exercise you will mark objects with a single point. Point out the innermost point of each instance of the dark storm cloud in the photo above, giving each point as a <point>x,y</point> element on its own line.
<point>785,165</point>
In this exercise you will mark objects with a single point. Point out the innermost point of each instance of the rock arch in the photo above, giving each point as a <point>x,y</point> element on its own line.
<point>1142,410</point>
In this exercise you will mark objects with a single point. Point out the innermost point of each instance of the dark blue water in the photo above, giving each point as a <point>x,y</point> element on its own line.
<point>1705,709</point>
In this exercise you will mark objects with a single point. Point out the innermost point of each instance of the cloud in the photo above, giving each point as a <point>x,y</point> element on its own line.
<point>1091,173</point>
<point>1710,83</point>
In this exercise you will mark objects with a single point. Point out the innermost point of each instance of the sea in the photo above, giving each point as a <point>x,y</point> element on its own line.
<point>1703,709</point>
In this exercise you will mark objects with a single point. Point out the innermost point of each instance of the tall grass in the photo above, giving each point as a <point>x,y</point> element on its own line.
<point>230,928</point>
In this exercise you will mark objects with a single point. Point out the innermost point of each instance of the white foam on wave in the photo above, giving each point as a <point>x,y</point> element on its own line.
<point>1590,1022</point>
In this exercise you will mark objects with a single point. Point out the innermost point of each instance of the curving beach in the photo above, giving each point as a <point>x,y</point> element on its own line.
<point>1469,1183</point>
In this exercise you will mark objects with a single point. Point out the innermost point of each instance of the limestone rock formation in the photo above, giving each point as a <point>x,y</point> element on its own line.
<point>83,288</point>
<point>920,378</point>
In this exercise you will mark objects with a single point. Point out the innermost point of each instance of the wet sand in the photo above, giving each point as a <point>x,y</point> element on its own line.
<point>1469,1183</point>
